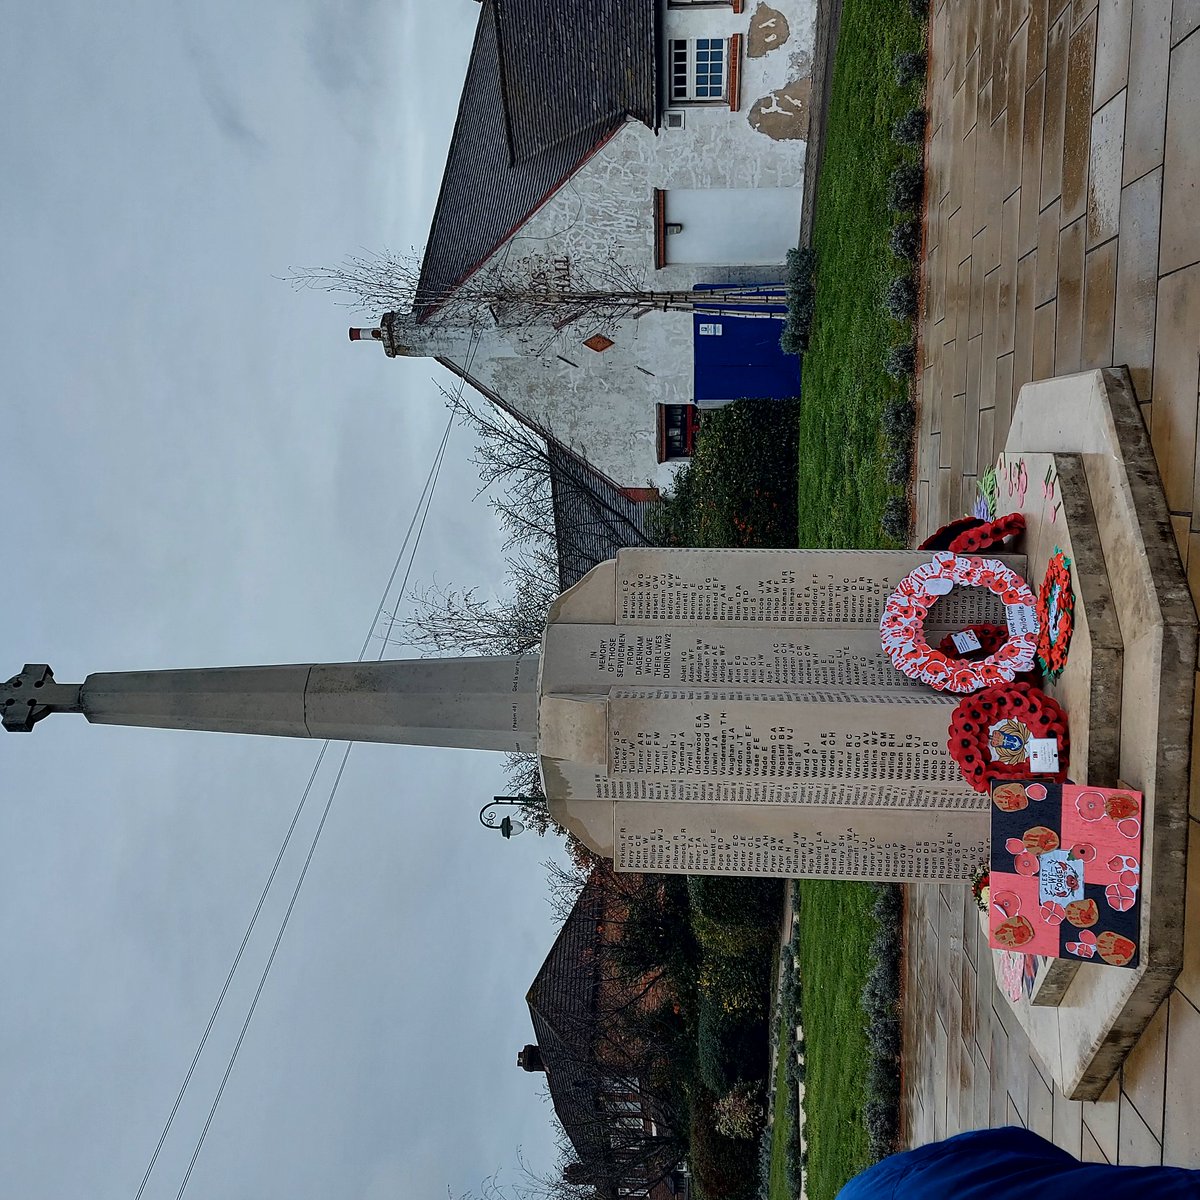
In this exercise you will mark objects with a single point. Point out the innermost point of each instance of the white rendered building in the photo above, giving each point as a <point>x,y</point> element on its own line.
<point>670,136</point>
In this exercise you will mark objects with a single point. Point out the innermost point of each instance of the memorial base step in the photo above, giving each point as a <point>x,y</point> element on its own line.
<point>1128,688</point>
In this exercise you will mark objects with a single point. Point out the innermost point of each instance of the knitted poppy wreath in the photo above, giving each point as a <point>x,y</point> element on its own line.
<point>902,627</point>
<point>990,732</point>
<point>1056,615</point>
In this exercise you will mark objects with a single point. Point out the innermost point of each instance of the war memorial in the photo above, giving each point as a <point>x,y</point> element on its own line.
<point>783,713</point>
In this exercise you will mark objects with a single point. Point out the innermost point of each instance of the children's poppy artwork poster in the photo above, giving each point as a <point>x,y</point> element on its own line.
<point>1065,872</point>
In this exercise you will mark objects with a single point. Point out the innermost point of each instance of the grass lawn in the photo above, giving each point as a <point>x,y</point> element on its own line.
<point>836,926</point>
<point>842,486</point>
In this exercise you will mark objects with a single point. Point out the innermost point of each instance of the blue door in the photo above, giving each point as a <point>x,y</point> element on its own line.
<point>739,357</point>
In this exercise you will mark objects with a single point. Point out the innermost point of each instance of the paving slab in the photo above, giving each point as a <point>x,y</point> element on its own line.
<point>1132,54</point>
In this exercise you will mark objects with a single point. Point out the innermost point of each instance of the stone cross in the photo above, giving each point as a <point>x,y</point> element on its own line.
<point>472,703</point>
<point>33,694</point>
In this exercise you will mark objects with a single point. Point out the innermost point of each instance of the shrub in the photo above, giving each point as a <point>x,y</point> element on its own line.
<point>901,360</point>
<point>722,1167</point>
<point>764,1164</point>
<point>899,417</point>
<point>717,1065</point>
<point>900,299</point>
<point>886,1036</point>
<point>899,468</point>
<point>882,1121</point>
<point>794,339</point>
<point>911,67</point>
<point>737,900</point>
<point>730,1048</point>
<point>801,263</point>
<point>889,905</point>
<point>906,186</point>
<point>739,488</point>
<point>905,240</point>
<point>885,947</point>
<point>801,295</point>
<point>881,1008</point>
<point>718,938</point>
<point>920,10</point>
<point>881,992</point>
<point>896,519</point>
<point>909,130</point>
<point>738,1114</point>
<point>739,985</point>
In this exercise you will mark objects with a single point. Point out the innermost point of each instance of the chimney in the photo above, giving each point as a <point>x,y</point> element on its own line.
<point>530,1059</point>
<point>358,334</point>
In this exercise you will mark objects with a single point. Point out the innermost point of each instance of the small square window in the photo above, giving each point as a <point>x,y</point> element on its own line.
<point>677,427</point>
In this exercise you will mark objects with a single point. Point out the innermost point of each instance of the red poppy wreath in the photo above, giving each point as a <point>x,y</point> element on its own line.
<point>902,627</point>
<point>972,535</point>
<point>990,638</point>
<point>990,733</point>
<point>1056,615</point>
<point>991,535</point>
<point>940,539</point>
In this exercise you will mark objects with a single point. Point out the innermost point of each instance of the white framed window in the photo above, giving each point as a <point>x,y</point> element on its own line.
<point>699,69</point>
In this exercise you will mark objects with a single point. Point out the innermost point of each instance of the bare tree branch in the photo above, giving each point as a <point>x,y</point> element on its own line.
<point>541,294</point>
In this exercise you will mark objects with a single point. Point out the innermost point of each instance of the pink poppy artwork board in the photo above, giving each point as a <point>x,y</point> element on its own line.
<point>1065,871</point>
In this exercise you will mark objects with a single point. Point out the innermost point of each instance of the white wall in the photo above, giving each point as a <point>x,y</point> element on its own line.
<point>603,405</point>
<point>753,226</point>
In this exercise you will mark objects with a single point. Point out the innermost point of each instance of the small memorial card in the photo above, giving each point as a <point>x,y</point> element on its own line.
<point>1066,871</point>
<point>1022,618</point>
<point>1043,756</point>
<point>966,641</point>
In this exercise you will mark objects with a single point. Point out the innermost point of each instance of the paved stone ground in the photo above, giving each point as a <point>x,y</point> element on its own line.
<point>1062,232</point>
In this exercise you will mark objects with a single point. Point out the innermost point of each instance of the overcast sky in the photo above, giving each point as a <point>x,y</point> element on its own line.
<point>199,469</point>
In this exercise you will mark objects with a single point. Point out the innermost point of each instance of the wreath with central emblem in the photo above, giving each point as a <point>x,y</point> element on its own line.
<point>990,733</point>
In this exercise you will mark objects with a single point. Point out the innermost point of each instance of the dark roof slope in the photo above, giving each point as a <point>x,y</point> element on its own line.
<point>593,518</point>
<point>562,1004</point>
<point>548,80</point>
<point>580,1037</point>
<point>573,66</point>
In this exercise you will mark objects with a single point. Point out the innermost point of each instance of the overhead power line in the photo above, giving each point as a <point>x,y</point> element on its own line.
<point>408,546</point>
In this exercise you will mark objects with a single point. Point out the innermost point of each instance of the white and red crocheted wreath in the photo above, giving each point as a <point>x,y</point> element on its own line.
<point>902,627</point>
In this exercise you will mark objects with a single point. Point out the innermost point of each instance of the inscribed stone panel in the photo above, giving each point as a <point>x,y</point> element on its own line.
<point>694,733</point>
<point>793,842</point>
<point>580,781</point>
<point>782,587</point>
<point>595,657</point>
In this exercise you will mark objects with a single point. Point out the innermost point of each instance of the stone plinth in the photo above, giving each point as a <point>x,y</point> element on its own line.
<point>1128,687</point>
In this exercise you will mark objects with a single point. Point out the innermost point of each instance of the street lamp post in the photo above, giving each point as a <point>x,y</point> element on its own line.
<point>492,820</point>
